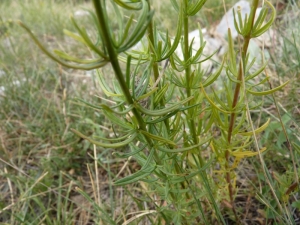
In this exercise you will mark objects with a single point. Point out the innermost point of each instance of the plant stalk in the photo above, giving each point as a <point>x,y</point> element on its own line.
<point>155,64</point>
<point>244,50</point>
<point>118,72</point>
<point>247,39</point>
<point>186,55</point>
<point>119,75</point>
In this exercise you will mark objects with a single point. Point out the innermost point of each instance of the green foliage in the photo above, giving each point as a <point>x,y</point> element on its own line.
<point>187,138</point>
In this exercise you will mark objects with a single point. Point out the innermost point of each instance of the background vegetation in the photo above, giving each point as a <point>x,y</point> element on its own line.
<point>42,162</point>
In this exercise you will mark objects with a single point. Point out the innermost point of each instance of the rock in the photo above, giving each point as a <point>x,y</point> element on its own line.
<point>81,13</point>
<point>228,19</point>
<point>2,73</point>
<point>212,45</point>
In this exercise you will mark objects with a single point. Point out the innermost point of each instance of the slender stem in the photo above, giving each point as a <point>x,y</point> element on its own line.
<point>191,122</point>
<point>230,187</point>
<point>186,55</point>
<point>237,89</point>
<point>119,75</point>
<point>155,64</point>
<point>151,38</point>
<point>178,169</point>
<point>244,50</point>
<point>117,69</point>
<point>247,38</point>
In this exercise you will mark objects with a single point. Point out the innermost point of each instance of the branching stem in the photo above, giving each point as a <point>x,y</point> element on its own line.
<point>247,39</point>
<point>118,72</point>
<point>186,55</point>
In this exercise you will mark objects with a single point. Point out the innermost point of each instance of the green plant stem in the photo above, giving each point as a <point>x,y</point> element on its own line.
<point>244,50</point>
<point>247,39</point>
<point>191,121</point>
<point>230,187</point>
<point>119,75</point>
<point>155,64</point>
<point>156,76</point>
<point>117,69</point>
<point>151,38</point>
<point>178,169</point>
<point>186,55</point>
